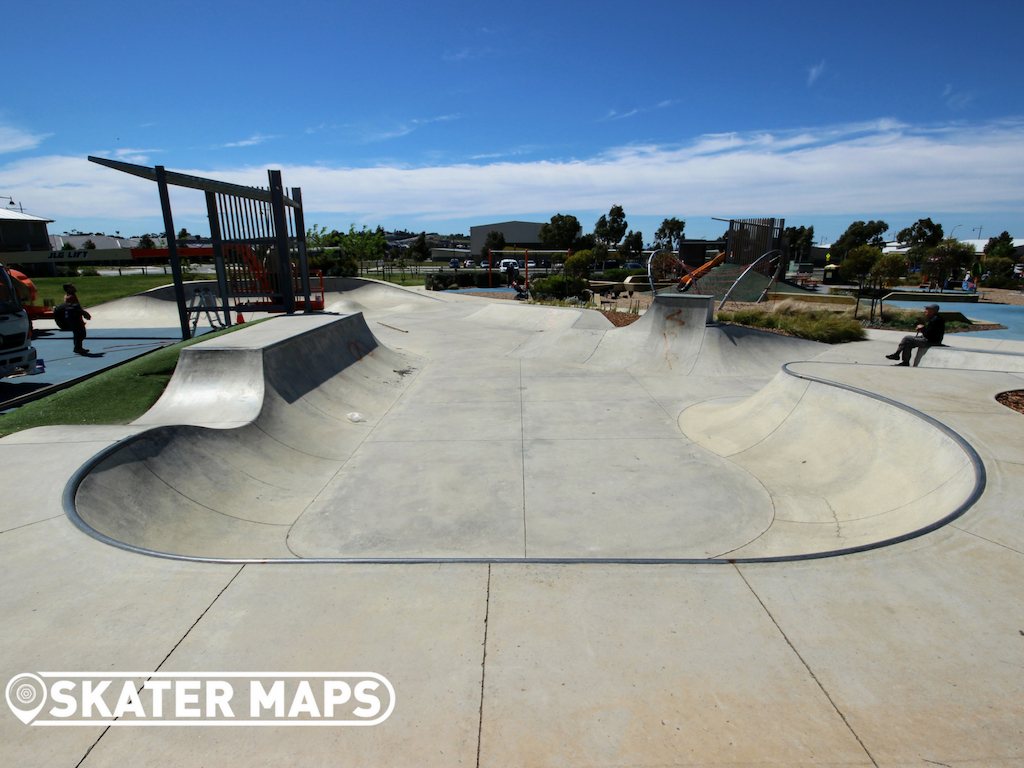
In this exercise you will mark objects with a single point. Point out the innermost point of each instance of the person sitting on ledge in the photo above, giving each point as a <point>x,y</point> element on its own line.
<point>929,334</point>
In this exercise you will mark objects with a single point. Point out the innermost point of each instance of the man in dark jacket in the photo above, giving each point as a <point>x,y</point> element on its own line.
<point>929,334</point>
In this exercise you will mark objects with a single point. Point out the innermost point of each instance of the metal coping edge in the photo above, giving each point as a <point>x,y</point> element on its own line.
<point>980,479</point>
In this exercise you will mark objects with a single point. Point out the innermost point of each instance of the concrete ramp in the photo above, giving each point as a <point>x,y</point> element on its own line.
<point>251,428</point>
<point>154,308</point>
<point>667,338</point>
<point>970,359</point>
<point>673,336</point>
<point>843,469</point>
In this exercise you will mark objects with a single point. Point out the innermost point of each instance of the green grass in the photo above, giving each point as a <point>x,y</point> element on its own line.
<point>96,290</point>
<point>788,317</point>
<point>117,396</point>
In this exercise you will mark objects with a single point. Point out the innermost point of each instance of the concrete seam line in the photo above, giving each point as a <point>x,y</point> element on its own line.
<point>810,671</point>
<point>26,525</point>
<point>158,666</point>
<point>522,448</point>
<point>483,669</point>
<point>76,479</point>
<point>984,538</point>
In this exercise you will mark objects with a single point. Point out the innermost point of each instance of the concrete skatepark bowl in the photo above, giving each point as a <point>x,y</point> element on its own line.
<point>251,455</point>
<point>544,512</point>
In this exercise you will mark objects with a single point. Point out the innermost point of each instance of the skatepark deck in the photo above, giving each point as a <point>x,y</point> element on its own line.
<point>654,474</point>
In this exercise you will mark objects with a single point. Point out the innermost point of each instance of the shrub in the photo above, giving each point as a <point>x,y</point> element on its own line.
<point>998,281</point>
<point>998,266</point>
<point>618,275</point>
<point>346,266</point>
<point>90,272</point>
<point>557,287</point>
<point>800,320</point>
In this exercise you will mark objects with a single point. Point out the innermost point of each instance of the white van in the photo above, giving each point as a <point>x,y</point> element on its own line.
<point>16,352</point>
<point>506,263</point>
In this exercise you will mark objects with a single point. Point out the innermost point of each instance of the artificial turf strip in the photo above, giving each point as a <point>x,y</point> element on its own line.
<point>117,396</point>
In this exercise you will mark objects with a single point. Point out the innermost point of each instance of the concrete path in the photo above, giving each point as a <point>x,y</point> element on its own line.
<point>489,447</point>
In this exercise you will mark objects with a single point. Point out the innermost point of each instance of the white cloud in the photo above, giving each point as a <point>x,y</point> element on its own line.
<point>460,55</point>
<point>252,141</point>
<point>16,140</point>
<point>140,156</point>
<point>815,72</point>
<point>881,167</point>
<point>959,100</point>
<point>438,119</point>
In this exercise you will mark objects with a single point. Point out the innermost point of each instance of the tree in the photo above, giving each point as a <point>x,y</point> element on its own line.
<point>316,238</point>
<point>495,242</point>
<point>579,264</point>
<point>561,232</point>
<point>888,269</point>
<point>89,245</point>
<point>632,246</point>
<point>949,258</point>
<point>419,250</point>
<point>801,240</point>
<point>586,243</point>
<point>921,237</point>
<point>184,235</point>
<point>612,228</point>
<point>67,247</point>
<point>670,234</point>
<point>146,242</point>
<point>999,247</point>
<point>857,234</point>
<point>859,262</point>
<point>368,245</point>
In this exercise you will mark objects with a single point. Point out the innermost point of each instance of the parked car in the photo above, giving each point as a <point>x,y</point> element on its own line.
<point>544,263</point>
<point>469,263</point>
<point>633,265</point>
<point>453,263</point>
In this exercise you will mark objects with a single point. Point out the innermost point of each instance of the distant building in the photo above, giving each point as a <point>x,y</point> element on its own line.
<point>22,232</point>
<point>521,234</point>
<point>102,242</point>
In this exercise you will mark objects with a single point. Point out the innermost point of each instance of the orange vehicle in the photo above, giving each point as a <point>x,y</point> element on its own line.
<point>30,297</point>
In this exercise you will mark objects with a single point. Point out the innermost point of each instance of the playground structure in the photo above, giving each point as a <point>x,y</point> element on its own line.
<point>258,238</point>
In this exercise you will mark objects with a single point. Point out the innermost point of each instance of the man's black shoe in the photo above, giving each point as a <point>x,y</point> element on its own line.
<point>893,356</point>
<point>900,365</point>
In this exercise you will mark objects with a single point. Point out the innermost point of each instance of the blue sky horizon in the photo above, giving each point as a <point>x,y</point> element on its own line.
<point>444,116</point>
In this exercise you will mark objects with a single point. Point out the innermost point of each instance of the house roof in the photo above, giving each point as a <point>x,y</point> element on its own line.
<point>6,214</point>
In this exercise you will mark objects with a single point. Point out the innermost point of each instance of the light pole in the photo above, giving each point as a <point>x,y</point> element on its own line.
<point>953,230</point>
<point>978,230</point>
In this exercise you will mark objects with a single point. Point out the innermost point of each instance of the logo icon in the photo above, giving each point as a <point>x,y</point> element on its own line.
<point>22,692</point>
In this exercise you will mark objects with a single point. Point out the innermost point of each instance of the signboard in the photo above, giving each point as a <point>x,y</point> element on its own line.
<point>98,254</point>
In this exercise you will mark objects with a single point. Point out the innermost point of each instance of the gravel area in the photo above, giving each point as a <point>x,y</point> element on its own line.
<point>1013,399</point>
<point>1001,296</point>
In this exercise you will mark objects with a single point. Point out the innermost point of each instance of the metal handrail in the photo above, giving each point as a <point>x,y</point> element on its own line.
<point>744,274</point>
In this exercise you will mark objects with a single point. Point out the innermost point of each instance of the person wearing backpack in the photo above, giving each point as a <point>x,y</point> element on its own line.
<point>76,317</point>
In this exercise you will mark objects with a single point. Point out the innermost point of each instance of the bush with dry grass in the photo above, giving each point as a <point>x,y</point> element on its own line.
<point>800,319</point>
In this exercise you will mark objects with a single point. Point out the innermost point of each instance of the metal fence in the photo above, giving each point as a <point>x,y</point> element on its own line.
<point>259,244</point>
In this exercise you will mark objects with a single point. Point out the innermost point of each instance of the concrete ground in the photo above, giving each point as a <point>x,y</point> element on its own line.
<point>515,469</point>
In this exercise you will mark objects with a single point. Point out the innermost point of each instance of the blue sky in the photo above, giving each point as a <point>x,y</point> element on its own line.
<point>439,116</point>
